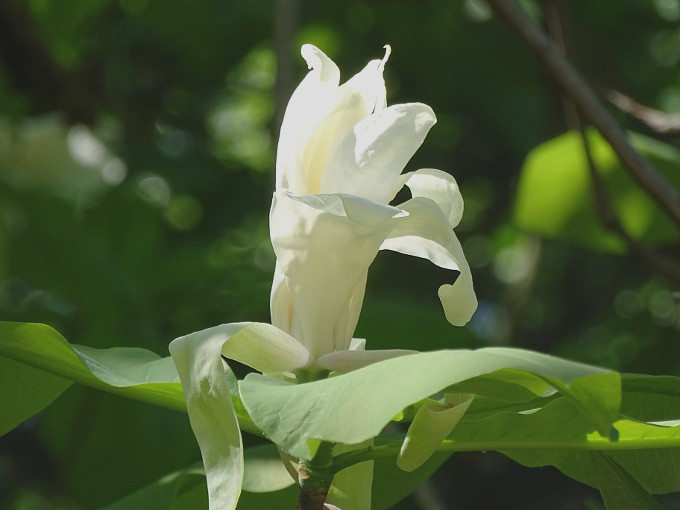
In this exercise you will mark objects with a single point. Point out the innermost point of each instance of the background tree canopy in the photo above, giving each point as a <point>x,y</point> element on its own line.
<point>137,142</point>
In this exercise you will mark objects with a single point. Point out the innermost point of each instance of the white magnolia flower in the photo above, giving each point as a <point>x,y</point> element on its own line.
<point>339,164</point>
<point>340,157</point>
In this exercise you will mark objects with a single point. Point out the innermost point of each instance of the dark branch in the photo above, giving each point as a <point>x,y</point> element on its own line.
<point>574,87</point>
<point>657,262</point>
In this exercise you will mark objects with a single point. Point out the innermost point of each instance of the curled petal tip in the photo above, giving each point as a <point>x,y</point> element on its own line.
<point>388,52</point>
<point>312,55</point>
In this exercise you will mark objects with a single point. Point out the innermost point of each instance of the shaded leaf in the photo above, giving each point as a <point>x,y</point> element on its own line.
<point>265,486</point>
<point>25,391</point>
<point>619,490</point>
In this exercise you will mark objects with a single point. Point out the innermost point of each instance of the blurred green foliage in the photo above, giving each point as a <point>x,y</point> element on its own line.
<point>137,142</point>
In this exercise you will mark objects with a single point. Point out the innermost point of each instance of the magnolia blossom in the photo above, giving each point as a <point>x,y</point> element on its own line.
<point>339,164</point>
<point>340,159</point>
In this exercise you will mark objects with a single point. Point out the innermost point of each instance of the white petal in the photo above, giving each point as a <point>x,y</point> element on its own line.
<point>267,349</point>
<point>353,101</point>
<point>211,413</point>
<point>427,233</point>
<point>435,185</point>
<point>370,84</point>
<point>319,116</point>
<point>199,364</point>
<point>346,361</point>
<point>369,160</point>
<point>357,344</point>
<point>324,245</point>
<point>313,100</point>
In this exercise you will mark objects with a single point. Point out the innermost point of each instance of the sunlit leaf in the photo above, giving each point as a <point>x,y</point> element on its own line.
<point>354,407</point>
<point>129,372</point>
<point>555,196</point>
<point>556,434</point>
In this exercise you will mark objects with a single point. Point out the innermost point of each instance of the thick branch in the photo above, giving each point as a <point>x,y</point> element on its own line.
<point>314,479</point>
<point>286,16</point>
<point>663,265</point>
<point>586,101</point>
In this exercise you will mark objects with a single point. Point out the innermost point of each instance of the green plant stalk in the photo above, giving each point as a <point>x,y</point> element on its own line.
<point>392,448</point>
<point>315,477</point>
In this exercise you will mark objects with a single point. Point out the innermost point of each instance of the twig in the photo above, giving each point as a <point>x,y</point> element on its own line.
<point>663,265</point>
<point>587,103</point>
<point>286,16</point>
<point>663,123</point>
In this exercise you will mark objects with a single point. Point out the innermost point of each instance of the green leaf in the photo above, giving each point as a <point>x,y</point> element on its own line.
<point>266,484</point>
<point>264,470</point>
<point>598,397</point>
<point>651,398</point>
<point>555,197</point>
<point>391,484</point>
<point>432,423</point>
<point>181,490</point>
<point>556,434</point>
<point>125,371</point>
<point>25,391</point>
<point>130,372</point>
<point>351,488</point>
<point>619,490</point>
<point>354,407</point>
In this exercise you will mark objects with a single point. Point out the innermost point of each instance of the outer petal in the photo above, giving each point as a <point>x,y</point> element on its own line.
<point>352,102</point>
<point>427,233</point>
<point>435,185</point>
<point>324,245</point>
<point>346,361</point>
<point>370,158</point>
<point>207,395</point>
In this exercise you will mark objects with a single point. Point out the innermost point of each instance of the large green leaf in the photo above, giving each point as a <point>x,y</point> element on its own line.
<point>391,484</point>
<point>651,398</point>
<point>620,490</point>
<point>555,434</point>
<point>555,196</point>
<point>354,407</point>
<point>129,372</point>
<point>266,484</point>
<point>24,391</point>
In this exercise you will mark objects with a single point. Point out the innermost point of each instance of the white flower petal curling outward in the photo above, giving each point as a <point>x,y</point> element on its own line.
<point>436,185</point>
<point>207,394</point>
<point>370,158</point>
<point>426,233</point>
